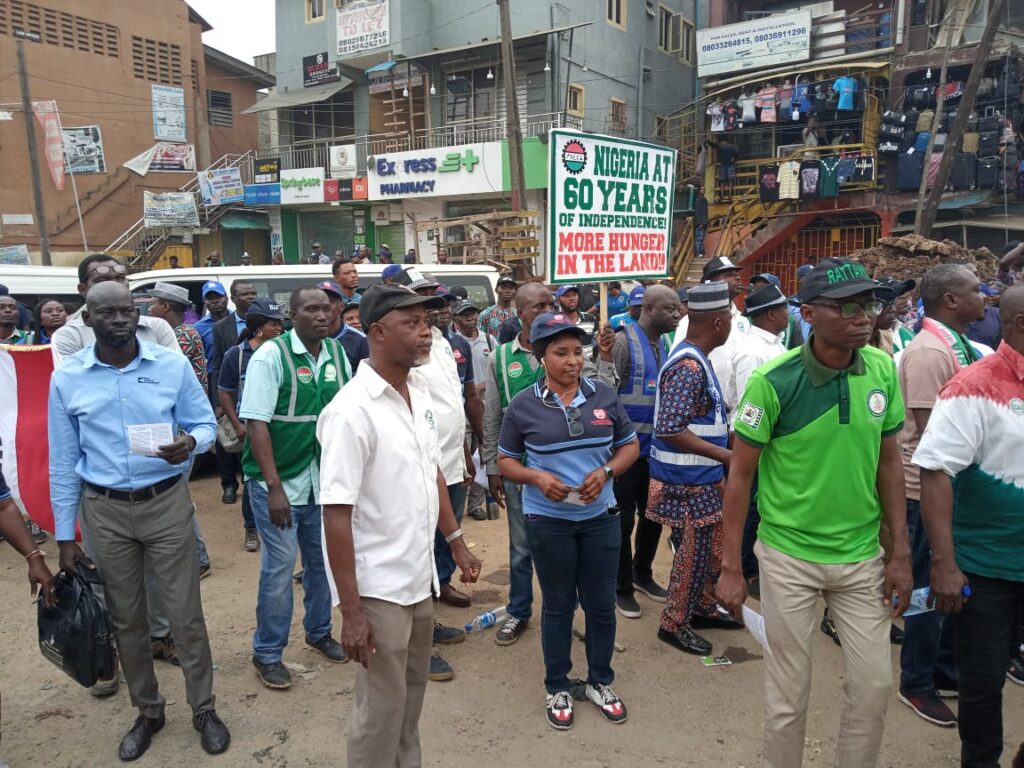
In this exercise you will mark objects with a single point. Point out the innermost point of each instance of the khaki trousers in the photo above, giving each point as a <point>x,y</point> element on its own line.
<point>789,599</point>
<point>131,543</point>
<point>384,729</point>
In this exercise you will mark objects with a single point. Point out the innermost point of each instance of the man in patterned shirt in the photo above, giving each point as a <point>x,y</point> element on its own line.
<point>687,462</point>
<point>496,314</point>
<point>169,303</point>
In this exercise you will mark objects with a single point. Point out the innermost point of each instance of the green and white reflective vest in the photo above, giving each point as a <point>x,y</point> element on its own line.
<point>303,395</point>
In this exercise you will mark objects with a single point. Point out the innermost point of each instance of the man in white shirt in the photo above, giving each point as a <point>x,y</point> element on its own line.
<point>384,494</point>
<point>75,334</point>
<point>766,309</point>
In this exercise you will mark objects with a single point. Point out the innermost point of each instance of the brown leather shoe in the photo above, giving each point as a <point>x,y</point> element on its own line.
<point>451,596</point>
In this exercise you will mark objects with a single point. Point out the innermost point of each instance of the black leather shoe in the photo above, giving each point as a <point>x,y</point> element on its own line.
<point>721,619</point>
<point>686,640</point>
<point>213,734</point>
<point>230,495</point>
<point>137,740</point>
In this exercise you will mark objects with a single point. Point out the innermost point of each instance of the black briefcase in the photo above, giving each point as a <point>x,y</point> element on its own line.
<point>75,635</point>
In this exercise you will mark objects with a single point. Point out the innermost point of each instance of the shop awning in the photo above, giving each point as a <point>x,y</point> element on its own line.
<point>956,200</point>
<point>298,96</point>
<point>384,66</point>
<point>243,220</point>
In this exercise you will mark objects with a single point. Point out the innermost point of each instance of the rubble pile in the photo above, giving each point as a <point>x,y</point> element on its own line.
<point>913,255</point>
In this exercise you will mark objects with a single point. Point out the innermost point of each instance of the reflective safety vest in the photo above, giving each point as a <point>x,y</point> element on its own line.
<point>639,391</point>
<point>672,465</point>
<point>514,372</point>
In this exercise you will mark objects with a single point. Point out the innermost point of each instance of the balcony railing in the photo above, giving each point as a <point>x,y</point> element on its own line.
<point>316,153</point>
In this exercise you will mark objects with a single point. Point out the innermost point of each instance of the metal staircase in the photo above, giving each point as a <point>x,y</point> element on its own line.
<point>144,245</point>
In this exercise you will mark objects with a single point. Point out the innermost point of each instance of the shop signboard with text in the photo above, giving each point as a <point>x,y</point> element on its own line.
<point>609,208</point>
<point>262,194</point>
<point>363,25</point>
<point>317,70</point>
<point>755,44</point>
<point>300,186</point>
<point>461,170</point>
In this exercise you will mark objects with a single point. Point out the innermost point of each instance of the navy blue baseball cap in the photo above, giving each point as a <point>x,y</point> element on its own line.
<point>391,270</point>
<point>636,296</point>
<point>330,286</point>
<point>551,324</point>
<point>564,289</point>
<point>767,277</point>
<point>212,286</point>
<point>264,307</point>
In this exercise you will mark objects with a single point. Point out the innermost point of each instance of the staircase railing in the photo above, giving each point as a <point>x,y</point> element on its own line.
<point>145,244</point>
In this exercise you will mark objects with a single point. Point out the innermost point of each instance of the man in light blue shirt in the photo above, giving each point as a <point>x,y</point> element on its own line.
<point>125,418</point>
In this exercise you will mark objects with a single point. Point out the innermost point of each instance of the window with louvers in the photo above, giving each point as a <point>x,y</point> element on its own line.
<point>218,108</point>
<point>156,61</point>
<point>60,29</point>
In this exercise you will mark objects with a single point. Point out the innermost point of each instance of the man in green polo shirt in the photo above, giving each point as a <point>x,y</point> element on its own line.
<point>819,425</point>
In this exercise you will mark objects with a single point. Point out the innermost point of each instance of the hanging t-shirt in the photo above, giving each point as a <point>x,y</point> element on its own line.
<point>717,118</point>
<point>845,87</point>
<point>810,173</point>
<point>766,100</point>
<point>802,97</point>
<point>702,159</point>
<point>785,99</point>
<point>768,183</point>
<point>748,102</point>
<point>789,180</point>
<point>828,181</point>
<point>847,166</point>
<point>732,115</point>
<point>864,170</point>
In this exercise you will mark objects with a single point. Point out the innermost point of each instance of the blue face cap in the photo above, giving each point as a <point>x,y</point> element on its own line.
<point>391,270</point>
<point>636,296</point>
<point>212,286</point>
<point>562,290</point>
<point>551,324</point>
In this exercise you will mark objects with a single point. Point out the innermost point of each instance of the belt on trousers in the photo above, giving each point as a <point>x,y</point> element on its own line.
<point>143,494</point>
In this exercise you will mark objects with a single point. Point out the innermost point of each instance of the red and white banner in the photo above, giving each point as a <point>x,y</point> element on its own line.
<point>25,384</point>
<point>46,114</point>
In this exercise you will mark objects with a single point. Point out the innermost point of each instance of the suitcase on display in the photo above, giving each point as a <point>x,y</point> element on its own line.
<point>990,123</point>
<point>988,172</point>
<point>940,142</point>
<point>988,143</point>
<point>965,171</point>
<point>921,141</point>
<point>970,142</point>
<point>908,172</point>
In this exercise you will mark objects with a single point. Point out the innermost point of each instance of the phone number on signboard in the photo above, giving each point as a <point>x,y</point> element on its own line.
<point>767,36</point>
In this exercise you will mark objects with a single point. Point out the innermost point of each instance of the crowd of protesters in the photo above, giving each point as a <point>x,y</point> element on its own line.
<point>844,443</point>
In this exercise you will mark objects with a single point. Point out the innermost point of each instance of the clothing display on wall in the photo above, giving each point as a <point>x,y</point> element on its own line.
<point>789,180</point>
<point>768,183</point>
<point>748,103</point>
<point>766,102</point>
<point>810,173</point>
<point>846,87</point>
<point>828,181</point>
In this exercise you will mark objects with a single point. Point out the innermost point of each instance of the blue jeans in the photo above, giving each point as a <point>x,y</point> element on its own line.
<point>520,582</point>
<point>247,519</point>
<point>442,552</point>
<point>576,558</point>
<point>927,654</point>
<point>277,562</point>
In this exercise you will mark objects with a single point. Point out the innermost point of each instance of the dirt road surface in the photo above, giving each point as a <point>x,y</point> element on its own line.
<point>492,713</point>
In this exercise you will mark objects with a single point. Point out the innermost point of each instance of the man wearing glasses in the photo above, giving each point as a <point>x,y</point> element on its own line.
<point>833,408</point>
<point>76,335</point>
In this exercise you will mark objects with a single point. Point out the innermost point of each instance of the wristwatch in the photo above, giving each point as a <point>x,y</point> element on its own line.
<point>609,473</point>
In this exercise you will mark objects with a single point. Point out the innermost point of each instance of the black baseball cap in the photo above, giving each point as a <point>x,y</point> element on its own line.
<point>551,324</point>
<point>380,299</point>
<point>836,279</point>
<point>506,280</point>
<point>889,288</point>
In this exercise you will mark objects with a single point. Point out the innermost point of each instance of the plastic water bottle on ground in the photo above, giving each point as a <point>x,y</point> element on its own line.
<point>487,619</point>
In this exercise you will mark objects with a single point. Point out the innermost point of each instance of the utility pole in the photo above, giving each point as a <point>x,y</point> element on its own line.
<point>513,129</point>
<point>940,99</point>
<point>926,220</point>
<point>33,154</point>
